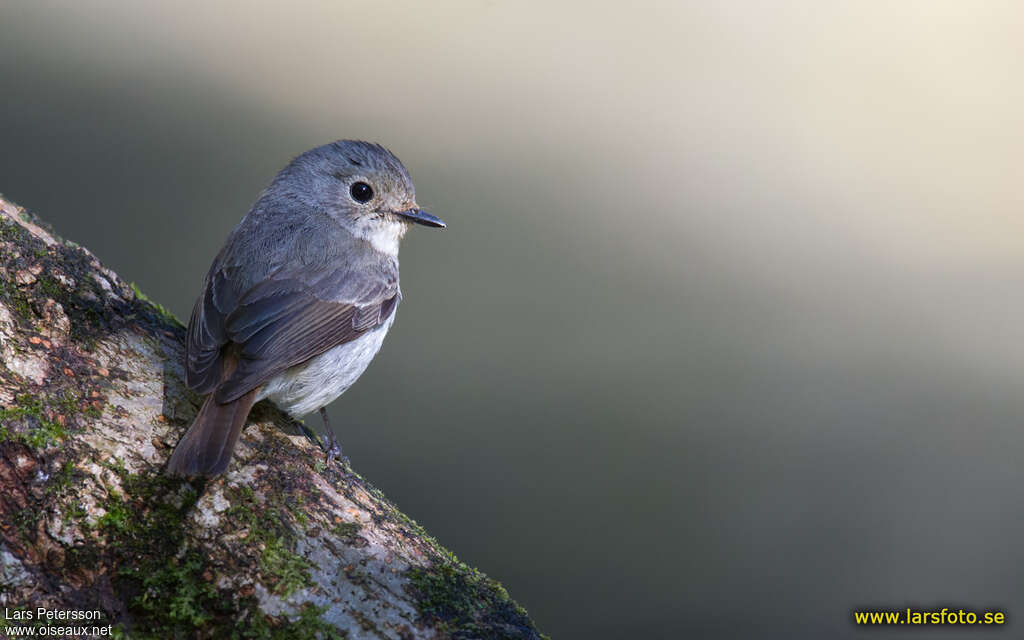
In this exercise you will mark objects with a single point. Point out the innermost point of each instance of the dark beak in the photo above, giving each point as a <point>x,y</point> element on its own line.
<point>419,216</point>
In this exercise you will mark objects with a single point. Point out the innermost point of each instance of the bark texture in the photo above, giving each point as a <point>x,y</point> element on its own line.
<point>92,401</point>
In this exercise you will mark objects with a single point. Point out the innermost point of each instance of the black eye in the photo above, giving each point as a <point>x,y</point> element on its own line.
<point>361,192</point>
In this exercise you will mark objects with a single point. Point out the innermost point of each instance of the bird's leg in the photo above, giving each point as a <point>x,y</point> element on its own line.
<point>331,445</point>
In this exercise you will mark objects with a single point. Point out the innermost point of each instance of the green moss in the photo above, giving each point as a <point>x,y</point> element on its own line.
<point>30,419</point>
<point>297,510</point>
<point>459,601</point>
<point>16,300</point>
<point>178,602</point>
<point>39,431</point>
<point>162,311</point>
<point>289,571</point>
<point>168,596</point>
<point>48,286</point>
<point>465,603</point>
<point>285,571</point>
<point>171,595</point>
<point>146,522</point>
<point>62,479</point>
<point>117,514</point>
<point>87,305</point>
<point>154,572</point>
<point>347,529</point>
<point>177,598</point>
<point>76,513</point>
<point>12,231</point>
<point>27,523</point>
<point>66,402</point>
<point>15,297</point>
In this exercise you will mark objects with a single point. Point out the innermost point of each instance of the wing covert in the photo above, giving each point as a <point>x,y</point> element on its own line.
<point>282,322</point>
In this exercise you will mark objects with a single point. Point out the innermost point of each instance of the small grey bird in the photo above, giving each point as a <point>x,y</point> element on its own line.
<point>297,303</point>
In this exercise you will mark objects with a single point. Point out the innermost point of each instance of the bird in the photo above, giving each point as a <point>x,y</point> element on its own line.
<point>299,299</point>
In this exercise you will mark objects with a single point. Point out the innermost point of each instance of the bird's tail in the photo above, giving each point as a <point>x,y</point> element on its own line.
<point>206,448</point>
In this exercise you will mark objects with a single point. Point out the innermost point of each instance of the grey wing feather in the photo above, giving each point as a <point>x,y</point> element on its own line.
<point>283,321</point>
<point>203,360</point>
<point>317,290</point>
<point>281,331</point>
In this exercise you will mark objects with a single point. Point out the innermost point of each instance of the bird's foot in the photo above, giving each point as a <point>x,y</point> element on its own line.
<point>333,450</point>
<point>330,444</point>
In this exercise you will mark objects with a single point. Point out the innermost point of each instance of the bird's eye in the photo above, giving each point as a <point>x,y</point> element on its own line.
<point>361,192</point>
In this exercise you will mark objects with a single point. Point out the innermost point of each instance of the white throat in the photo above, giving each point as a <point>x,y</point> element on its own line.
<point>383,234</point>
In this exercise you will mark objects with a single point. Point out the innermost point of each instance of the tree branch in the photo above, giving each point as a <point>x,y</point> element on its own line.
<point>93,401</point>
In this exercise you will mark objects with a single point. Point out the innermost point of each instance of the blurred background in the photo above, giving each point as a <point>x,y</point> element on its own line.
<point>724,337</point>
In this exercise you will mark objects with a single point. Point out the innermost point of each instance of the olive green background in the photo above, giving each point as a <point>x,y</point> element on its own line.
<point>724,337</point>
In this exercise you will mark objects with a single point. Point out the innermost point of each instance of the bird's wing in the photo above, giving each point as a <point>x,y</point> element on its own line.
<point>206,336</point>
<point>285,320</point>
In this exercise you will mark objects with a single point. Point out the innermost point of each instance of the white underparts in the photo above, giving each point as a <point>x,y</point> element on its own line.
<point>317,382</point>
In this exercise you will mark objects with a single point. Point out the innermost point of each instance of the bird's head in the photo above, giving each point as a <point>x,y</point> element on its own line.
<point>362,186</point>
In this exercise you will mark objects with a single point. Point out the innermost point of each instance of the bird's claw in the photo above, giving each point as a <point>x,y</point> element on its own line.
<point>329,444</point>
<point>333,450</point>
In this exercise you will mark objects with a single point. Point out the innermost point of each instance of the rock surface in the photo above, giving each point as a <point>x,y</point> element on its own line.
<point>92,401</point>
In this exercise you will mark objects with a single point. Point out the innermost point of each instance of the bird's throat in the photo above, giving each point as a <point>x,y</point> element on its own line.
<point>384,235</point>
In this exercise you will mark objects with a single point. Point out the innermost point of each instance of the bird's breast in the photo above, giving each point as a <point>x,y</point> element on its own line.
<point>317,382</point>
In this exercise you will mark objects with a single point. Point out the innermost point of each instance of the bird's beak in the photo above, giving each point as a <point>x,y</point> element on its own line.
<point>419,216</point>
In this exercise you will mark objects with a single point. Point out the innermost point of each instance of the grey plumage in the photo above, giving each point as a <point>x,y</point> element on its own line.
<point>297,302</point>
